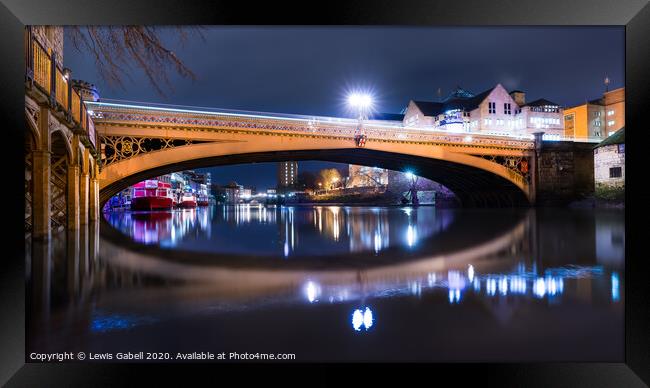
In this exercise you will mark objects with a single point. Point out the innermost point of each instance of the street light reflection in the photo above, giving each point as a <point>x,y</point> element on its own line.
<point>362,319</point>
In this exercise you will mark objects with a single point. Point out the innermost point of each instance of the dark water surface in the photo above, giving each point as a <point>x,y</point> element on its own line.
<point>336,283</point>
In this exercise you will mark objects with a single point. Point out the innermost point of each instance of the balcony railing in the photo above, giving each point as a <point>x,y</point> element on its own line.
<point>61,89</point>
<point>42,67</point>
<point>46,74</point>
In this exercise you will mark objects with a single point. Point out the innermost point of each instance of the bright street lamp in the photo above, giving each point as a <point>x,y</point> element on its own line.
<point>361,102</point>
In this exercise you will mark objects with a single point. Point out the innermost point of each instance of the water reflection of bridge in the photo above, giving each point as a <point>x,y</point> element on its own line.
<point>364,229</point>
<point>451,270</point>
<point>75,279</point>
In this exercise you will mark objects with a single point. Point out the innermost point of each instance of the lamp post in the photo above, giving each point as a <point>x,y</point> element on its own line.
<point>361,103</point>
<point>413,187</point>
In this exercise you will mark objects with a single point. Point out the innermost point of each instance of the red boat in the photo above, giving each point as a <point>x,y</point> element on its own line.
<point>151,195</point>
<point>202,200</point>
<point>188,200</point>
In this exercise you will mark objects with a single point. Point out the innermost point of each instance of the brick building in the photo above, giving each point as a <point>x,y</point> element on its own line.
<point>609,161</point>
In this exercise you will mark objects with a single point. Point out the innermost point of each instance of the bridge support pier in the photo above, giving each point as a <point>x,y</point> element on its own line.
<point>93,194</point>
<point>84,182</point>
<point>73,197</point>
<point>41,199</point>
<point>84,205</point>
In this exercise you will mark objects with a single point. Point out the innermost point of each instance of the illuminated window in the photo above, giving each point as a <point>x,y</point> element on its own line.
<point>611,122</point>
<point>610,112</point>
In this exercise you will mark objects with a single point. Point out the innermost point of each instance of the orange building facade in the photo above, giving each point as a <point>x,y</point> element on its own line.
<point>597,118</point>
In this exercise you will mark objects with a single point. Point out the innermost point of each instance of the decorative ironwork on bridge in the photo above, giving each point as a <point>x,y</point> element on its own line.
<point>517,165</point>
<point>128,115</point>
<point>116,148</point>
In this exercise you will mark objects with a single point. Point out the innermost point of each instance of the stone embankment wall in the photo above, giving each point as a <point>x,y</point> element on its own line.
<point>565,172</point>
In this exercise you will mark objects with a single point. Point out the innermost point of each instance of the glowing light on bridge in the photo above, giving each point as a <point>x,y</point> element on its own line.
<point>362,101</point>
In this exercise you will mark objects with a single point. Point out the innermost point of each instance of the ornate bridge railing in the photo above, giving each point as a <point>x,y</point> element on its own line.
<point>514,153</point>
<point>115,113</point>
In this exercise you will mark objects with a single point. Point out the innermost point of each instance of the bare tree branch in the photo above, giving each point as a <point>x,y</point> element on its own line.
<point>116,48</point>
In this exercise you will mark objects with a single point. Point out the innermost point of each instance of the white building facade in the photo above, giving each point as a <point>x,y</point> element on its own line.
<point>494,111</point>
<point>609,161</point>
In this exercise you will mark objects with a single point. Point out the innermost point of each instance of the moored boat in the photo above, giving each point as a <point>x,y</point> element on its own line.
<point>202,200</point>
<point>151,195</point>
<point>187,200</point>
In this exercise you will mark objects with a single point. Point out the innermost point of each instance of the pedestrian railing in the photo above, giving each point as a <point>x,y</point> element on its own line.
<point>43,72</point>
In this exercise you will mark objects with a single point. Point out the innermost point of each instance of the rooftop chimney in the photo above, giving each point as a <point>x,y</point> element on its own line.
<point>519,97</point>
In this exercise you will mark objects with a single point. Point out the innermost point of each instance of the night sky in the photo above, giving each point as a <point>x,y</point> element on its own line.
<point>309,70</point>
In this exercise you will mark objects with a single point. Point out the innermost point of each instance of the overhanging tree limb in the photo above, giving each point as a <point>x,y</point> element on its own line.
<point>116,48</point>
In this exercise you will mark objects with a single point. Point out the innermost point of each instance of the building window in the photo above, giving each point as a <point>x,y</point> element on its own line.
<point>615,172</point>
<point>597,114</point>
<point>610,112</point>
<point>621,148</point>
<point>492,107</point>
<point>597,123</point>
<point>610,122</point>
<point>506,108</point>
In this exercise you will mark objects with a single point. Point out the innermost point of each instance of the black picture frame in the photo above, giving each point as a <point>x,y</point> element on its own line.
<point>633,14</point>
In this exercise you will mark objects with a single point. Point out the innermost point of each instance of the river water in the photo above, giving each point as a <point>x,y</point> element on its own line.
<point>336,283</point>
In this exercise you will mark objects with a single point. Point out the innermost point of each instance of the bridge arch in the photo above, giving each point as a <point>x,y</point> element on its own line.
<point>139,142</point>
<point>476,181</point>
